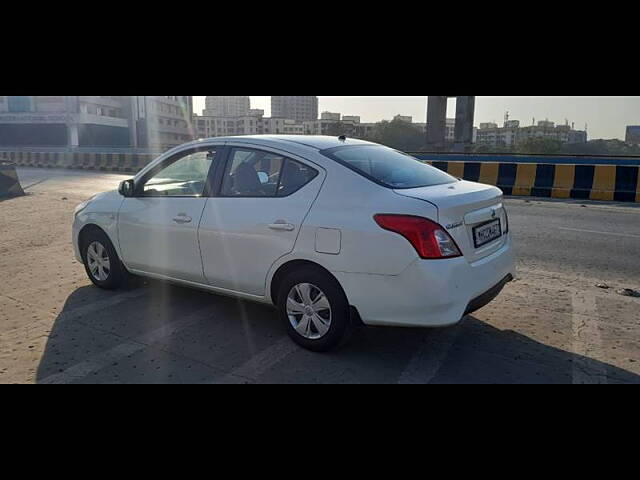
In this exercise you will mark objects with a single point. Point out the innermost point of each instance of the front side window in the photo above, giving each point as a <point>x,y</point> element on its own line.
<point>255,173</point>
<point>186,177</point>
<point>388,167</point>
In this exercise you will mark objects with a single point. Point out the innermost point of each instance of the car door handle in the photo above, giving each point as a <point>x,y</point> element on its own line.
<point>182,218</point>
<point>282,225</point>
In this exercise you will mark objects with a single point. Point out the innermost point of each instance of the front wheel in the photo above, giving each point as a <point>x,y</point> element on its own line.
<point>314,309</point>
<point>101,261</point>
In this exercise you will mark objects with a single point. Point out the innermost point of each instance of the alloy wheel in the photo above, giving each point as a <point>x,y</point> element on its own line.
<point>309,311</point>
<point>98,261</point>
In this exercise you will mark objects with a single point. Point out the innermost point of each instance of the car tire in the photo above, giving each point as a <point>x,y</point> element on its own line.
<point>314,309</point>
<point>101,261</point>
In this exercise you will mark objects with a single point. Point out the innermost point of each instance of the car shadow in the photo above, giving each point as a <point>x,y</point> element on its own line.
<point>130,336</point>
<point>476,352</point>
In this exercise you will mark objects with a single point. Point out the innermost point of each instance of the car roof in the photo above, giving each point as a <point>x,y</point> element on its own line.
<point>295,144</point>
<point>318,142</point>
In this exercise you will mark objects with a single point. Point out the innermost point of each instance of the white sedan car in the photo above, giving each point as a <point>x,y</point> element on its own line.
<point>332,231</point>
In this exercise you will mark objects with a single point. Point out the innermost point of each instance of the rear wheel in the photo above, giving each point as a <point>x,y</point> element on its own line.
<point>101,261</point>
<point>314,309</point>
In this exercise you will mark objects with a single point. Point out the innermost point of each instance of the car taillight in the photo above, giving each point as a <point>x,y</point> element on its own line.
<point>428,238</point>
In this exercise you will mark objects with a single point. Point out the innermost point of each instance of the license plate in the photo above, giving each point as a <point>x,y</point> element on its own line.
<point>486,233</point>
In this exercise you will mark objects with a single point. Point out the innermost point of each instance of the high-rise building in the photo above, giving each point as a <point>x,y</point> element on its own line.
<point>161,122</point>
<point>226,106</point>
<point>300,109</point>
<point>156,122</point>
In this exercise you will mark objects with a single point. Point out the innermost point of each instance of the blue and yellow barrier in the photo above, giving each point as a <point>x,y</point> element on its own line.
<point>540,176</point>
<point>619,183</point>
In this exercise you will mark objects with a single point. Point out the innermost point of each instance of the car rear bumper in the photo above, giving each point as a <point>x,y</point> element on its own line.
<point>429,293</point>
<point>488,296</point>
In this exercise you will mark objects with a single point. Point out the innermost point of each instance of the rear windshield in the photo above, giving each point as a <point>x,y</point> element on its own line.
<point>388,167</point>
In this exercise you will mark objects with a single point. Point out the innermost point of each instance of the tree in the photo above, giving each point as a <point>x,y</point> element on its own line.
<point>399,135</point>
<point>602,147</point>
<point>482,148</point>
<point>540,145</point>
<point>335,129</point>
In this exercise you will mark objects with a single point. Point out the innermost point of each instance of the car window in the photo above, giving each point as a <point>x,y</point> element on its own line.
<point>389,167</point>
<point>294,176</point>
<point>185,177</point>
<point>256,173</point>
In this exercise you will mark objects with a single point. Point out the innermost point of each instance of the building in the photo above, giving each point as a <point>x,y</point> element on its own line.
<point>403,118</point>
<point>490,134</point>
<point>160,122</point>
<point>155,122</point>
<point>633,135</point>
<point>547,129</point>
<point>333,124</point>
<point>330,116</point>
<point>227,106</point>
<point>449,129</point>
<point>364,130</point>
<point>206,126</point>
<point>300,109</point>
<point>511,133</point>
<point>329,123</point>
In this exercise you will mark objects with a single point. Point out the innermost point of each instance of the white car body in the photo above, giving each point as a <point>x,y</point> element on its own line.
<point>235,246</point>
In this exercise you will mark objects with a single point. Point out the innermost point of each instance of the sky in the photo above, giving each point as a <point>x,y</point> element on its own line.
<point>605,117</point>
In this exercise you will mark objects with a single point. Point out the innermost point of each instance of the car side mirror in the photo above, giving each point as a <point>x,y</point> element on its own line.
<point>126,188</point>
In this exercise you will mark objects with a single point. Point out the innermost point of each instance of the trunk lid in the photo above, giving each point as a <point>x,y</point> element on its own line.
<point>463,206</point>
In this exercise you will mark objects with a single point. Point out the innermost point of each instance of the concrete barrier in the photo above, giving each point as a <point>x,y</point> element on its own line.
<point>105,162</point>
<point>9,182</point>
<point>619,183</point>
<point>615,178</point>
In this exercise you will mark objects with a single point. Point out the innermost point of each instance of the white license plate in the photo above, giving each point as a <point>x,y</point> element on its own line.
<point>487,232</point>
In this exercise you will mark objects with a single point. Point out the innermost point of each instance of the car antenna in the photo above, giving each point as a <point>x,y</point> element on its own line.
<point>342,138</point>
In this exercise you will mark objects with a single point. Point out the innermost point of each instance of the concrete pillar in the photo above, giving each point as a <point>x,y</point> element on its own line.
<point>436,122</point>
<point>465,110</point>
<point>73,138</point>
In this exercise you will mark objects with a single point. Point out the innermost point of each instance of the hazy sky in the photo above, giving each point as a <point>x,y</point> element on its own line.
<point>606,117</point>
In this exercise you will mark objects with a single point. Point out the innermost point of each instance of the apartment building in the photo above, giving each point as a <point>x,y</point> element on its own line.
<point>227,106</point>
<point>330,116</point>
<point>547,129</point>
<point>161,122</point>
<point>490,134</point>
<point>511,133</point>
<point>206,126</point>
<point>300,109</point>
<point>156,122</point>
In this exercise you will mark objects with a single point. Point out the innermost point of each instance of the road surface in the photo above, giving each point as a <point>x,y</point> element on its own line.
<point>551,325</point>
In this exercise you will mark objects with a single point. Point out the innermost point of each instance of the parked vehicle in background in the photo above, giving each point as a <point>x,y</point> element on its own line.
<point>330,230</point>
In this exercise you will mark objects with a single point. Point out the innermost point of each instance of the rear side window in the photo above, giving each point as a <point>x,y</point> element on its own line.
<point>388,167</point>
<point>294,176</point>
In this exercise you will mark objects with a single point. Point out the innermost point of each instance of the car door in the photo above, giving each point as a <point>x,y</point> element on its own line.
<point>262,200</point>
<point>158,227</point>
